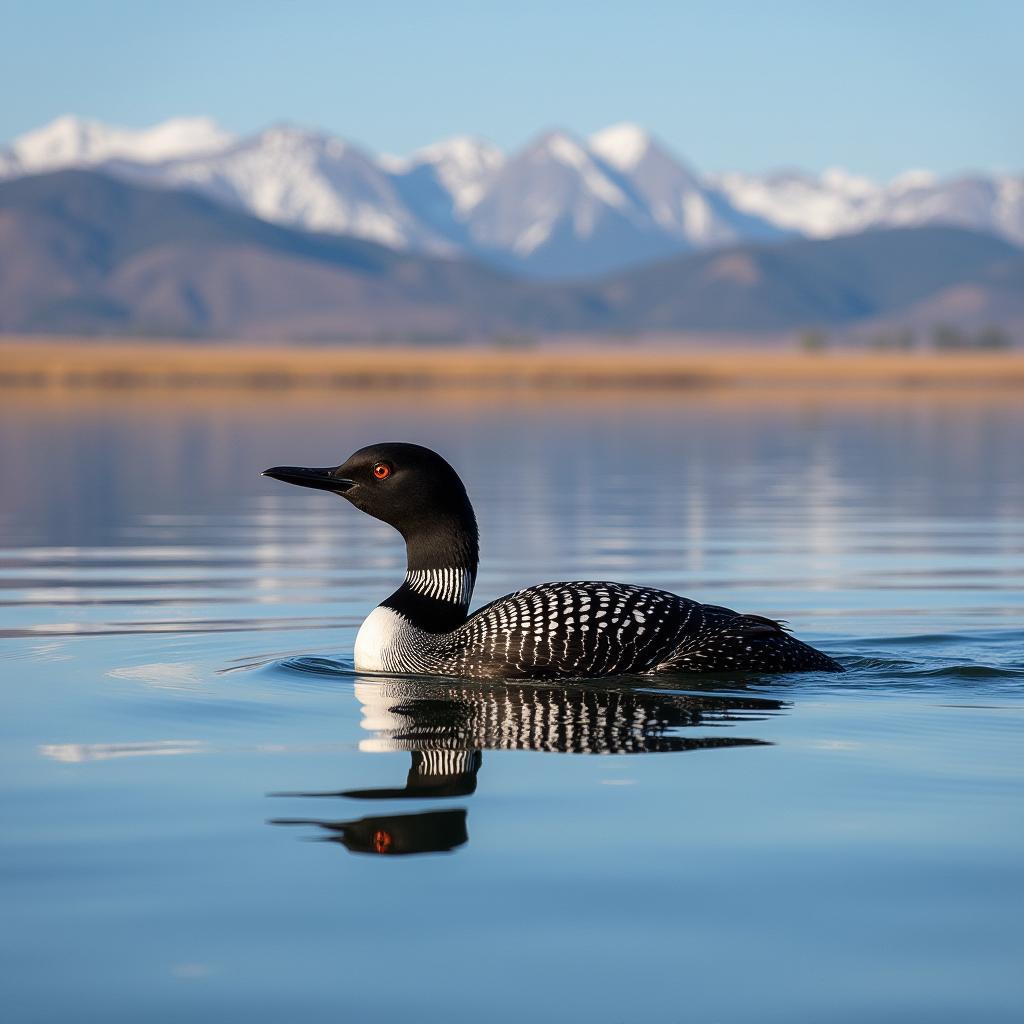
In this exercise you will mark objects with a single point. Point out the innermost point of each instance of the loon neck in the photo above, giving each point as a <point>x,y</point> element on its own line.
<point>440,575</point>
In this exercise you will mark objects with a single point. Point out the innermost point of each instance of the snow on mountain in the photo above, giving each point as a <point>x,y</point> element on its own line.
<point>993,204</point>
<point>679,202</point>
<point>561,206</point>
<point>553,186</point>
<point>557,209</point>
<point>293,176</point>
<point>462,165</point>
<point>622,146</point>
<point>836,202</point>
<point>1009,208</point>
<point>830,204</point>
<point>70,141</point>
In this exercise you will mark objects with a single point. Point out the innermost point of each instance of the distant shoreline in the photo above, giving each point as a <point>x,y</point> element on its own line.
<point>39,364</point>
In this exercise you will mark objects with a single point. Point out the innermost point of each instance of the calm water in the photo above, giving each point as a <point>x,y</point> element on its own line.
<point>208,816</point>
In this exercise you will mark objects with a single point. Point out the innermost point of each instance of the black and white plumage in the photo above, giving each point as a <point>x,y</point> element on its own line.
<point>554,630</point>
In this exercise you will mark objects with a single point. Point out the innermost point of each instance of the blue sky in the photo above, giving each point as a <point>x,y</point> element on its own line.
<point>872,86</point>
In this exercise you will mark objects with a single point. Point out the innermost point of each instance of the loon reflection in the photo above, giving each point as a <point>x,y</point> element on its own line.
<point>394,834</point>
<point>446,725</point>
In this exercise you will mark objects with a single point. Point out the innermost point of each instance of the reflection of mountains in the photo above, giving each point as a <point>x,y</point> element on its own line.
<point>446,725</point>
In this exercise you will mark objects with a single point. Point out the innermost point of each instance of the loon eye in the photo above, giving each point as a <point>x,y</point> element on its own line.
<point>381,470</point>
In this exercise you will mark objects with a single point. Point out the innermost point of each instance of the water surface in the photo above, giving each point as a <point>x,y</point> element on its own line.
<point>208,815</point>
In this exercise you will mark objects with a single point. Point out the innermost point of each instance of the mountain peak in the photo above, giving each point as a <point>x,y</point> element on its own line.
<point>622,145</point>
<point>463,164</point>
<point>465,155</point>
<point>561,147</point>
<point>914,178</point>
<point>465,149</point>
<point>845,182</point>
<point>69,140</point>
<point>64,140</point>
<point>287,133</point>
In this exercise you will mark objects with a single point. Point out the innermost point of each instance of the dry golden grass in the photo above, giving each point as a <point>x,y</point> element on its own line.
<point>62,367</point>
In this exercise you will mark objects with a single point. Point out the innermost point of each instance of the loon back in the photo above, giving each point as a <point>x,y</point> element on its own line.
<point>554,630</point>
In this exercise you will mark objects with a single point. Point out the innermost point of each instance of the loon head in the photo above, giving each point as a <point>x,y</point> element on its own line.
<point>409,487</point>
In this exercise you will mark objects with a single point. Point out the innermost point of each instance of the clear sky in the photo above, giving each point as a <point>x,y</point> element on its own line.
<point>877,87</point>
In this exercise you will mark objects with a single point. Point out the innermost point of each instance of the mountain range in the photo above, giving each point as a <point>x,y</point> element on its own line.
<point>85,252</point>
<point>560,208</point>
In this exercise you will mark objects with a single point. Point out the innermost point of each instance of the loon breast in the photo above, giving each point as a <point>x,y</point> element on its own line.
<point>407,631</point>
<point>379,637</point>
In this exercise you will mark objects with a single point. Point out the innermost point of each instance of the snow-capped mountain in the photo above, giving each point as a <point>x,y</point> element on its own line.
<point>836,203</point>
<point>560,207</point>
<point>298,177</point>
<point>617,199</point>
<point>463,166</point>
<point>444,181</point>
<point>557,205</point>
<point>74,142</point>
<point>678,200</point>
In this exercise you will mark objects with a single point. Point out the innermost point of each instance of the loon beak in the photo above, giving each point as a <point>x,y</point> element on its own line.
<point>322,479</point>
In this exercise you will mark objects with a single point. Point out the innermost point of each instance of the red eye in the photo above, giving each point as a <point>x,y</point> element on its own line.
<point>381,470</point>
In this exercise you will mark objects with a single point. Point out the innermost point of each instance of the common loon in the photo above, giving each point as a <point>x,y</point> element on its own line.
<point>554,630</point>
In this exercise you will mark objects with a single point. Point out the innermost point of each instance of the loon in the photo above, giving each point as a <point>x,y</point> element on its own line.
<point>550,631</point>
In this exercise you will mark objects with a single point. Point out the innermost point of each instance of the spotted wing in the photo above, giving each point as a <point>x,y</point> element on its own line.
<point>586,630</point>
<point>581,630</point>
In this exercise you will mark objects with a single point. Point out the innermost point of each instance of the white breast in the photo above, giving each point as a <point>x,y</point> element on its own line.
<point>377,636</point>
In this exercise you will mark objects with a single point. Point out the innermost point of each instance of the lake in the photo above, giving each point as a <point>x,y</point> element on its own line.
<point>207,815</point>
